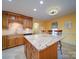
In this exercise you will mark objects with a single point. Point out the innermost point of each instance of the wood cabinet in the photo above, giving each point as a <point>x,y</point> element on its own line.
<point>4,42</point>
<point>48,53</point>
<point>10,17</point>
<point>19,40</point>
<point>27,23</point>
<point>9,41</point>
<point>4,21</point>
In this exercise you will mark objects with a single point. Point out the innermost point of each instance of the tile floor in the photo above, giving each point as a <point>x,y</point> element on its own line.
<point>69,51</point>
<point>14,53</point>
<point>18,52</point>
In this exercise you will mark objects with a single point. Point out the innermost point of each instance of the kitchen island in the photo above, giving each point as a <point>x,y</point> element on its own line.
<point>41,46</point>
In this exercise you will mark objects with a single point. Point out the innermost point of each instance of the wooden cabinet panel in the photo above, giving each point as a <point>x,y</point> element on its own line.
<point>4,42</point>
<point>27,23</point>
<point>49,53</point>
<point>30,23</point>
<point>19,41</point>
<point>19,19</point>
<point>11,18</point>
<point>4,22</point>
<point>11,42</point>
<point>30,51</point>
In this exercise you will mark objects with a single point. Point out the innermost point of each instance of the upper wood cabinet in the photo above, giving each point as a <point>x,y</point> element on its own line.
<point>27,23</point>
<point>9,17</point>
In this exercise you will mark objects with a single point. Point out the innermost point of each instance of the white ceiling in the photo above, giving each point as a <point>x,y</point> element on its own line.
<point>26,7</point>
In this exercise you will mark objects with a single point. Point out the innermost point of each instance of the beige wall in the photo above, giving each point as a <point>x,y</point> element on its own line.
<point>69,34</point>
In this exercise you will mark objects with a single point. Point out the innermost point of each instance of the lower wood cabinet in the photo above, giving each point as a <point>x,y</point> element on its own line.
<point>8,42</point>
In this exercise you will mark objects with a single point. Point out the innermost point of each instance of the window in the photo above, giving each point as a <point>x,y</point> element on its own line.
<point>54,27</point>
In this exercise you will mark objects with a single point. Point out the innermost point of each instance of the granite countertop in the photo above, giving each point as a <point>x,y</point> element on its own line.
<point>42,41</point>
<point>8,32</point>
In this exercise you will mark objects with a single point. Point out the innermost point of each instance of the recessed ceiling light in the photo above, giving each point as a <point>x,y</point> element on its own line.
<point>10,0</point>
<point>35,9</point>
<point>53,12</point>
<point>41,2</point>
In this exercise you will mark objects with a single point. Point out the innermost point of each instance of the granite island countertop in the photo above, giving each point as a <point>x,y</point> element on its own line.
<point>42,41</point>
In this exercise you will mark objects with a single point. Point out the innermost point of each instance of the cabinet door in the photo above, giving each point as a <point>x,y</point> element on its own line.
<point>4,42</point>
<point>11,18</point>
<point>11,42</point>
<point>30,23</point>
<point>19,19</point>
<point>29,51</point>
<point>27,23</point>
<point>19,41</point>
<point>4,21</point>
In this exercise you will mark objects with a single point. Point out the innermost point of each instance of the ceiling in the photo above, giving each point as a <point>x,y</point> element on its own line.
<point>26,7</point>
